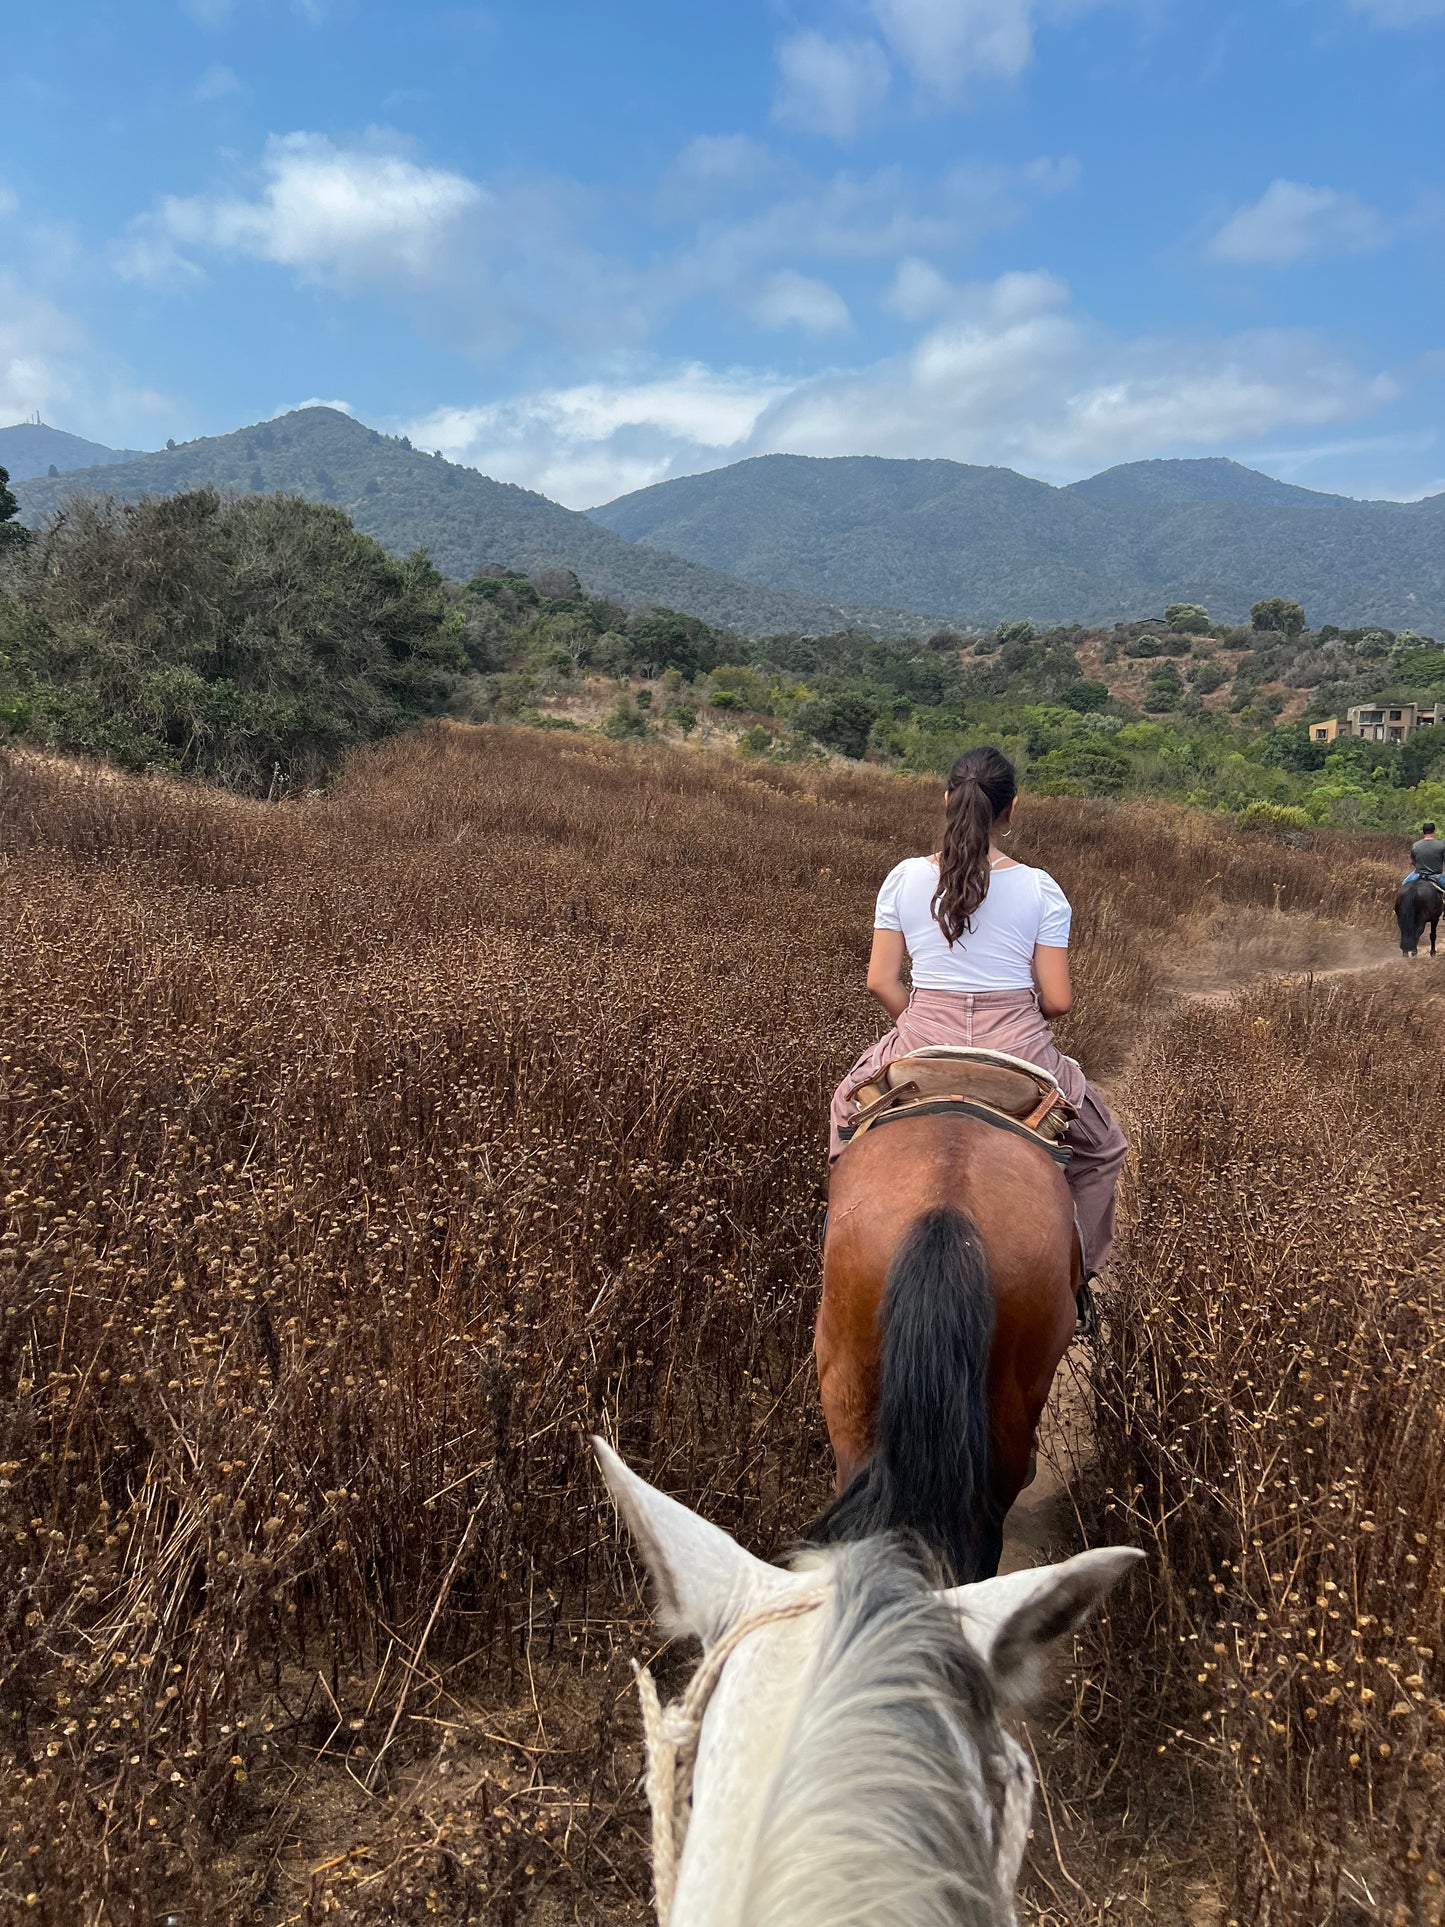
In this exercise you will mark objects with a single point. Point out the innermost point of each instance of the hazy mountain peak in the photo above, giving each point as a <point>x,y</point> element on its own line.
<point>1206,478</point>
<point>34,448</point>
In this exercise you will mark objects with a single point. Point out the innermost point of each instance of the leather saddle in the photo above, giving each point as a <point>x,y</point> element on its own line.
<point>1005,1089</point>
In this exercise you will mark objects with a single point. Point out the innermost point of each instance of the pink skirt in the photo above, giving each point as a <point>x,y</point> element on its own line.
<point>1010,1020</point>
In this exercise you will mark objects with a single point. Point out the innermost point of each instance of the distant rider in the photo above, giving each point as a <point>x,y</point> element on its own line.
<point>1428,856</point>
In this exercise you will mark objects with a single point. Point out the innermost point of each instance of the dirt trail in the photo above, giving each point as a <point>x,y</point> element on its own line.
<point>1041,1523</point>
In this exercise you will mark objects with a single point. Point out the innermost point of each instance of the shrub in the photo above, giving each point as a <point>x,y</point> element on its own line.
<point>626,721</point>
<point>1138,646</point>
<point>1190,617</point>
<point>1085,697</point>
<point>1087,766</point>
<point>1261,815</point>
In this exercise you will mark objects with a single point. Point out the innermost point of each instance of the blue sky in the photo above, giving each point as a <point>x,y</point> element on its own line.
<point>588,246</point>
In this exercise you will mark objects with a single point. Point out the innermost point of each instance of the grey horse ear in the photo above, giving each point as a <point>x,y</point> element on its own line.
<point>1012,1619</point>
<point>704,1578</point>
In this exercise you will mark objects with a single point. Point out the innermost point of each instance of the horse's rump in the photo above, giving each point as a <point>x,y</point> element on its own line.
<point>948,1285</point>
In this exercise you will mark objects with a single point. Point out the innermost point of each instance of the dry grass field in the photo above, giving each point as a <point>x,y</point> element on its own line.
<point>362,1154</point>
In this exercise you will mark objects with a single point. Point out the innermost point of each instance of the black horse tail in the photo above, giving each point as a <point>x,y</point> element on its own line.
<point>929,1473</point>
<point>1408,914</point>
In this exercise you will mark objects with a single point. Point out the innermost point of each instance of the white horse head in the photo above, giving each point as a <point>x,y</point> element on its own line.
<point>849,1767</point>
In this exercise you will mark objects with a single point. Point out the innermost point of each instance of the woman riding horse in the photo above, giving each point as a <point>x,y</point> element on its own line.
<point>950,1263</point>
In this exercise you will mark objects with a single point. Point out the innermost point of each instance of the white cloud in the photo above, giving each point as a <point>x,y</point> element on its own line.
<point>313,401</point>
<point>1399,13</point>
<point>589,442</point>
<point>36,339</point>
<point>216,14</point>
<point>1015,375</point>
<point>1292,222</point>
<point>1010,372</point>
<point>829,86</point>
<point>792,300</point>
<point>945,44</point>
<point>146,253</point>
<point>486,265</point>
<point>49,363</point>
<point>727,161</point>
<point>215,84</point>
<point>352,215</point>
<point>918,290</point>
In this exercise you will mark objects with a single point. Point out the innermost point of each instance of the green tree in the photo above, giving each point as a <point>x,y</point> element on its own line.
<point>1277,613</point>
<point>12,532</point>
<point>1085,696</point>
<point>1020,630</point>
<point>1192,618</point>
<point>841,722</point>
<point>1087,766</point>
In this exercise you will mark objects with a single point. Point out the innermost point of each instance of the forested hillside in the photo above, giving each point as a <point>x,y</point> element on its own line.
<point>255,640</point>
<point>986,544</point>
<point>408,500</point>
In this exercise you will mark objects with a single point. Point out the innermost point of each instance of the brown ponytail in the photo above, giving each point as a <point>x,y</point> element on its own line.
<point>981,786</point>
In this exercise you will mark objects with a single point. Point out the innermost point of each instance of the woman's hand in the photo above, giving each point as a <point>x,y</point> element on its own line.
<point>885,971</point>
<point>1051,975</point>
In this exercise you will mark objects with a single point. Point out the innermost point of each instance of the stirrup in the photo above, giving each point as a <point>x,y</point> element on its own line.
<point>1086,1312</point>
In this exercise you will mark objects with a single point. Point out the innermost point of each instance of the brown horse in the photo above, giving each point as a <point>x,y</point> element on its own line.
<point>949,1272</point>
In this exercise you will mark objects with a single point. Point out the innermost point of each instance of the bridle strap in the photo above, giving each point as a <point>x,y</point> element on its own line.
<point>672,1734</point>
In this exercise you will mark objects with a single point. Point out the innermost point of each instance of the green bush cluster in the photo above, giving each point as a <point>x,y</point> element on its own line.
<point>250,641</point>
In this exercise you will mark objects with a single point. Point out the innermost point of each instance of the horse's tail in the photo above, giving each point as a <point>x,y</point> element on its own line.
<point>929,1472</point>
<point>1405,907</point>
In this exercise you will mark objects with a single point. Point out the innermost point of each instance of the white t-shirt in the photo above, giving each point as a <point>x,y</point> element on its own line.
<point>1023,907</point>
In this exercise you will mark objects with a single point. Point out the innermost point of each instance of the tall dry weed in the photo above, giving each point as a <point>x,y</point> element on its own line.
<point>1269,1397</point>
<point>360,1156</point>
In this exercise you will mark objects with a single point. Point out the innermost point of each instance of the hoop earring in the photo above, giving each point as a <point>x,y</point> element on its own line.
<point>1008,832</point>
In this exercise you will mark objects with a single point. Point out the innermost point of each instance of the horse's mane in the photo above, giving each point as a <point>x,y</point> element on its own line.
<point>886,1808</point>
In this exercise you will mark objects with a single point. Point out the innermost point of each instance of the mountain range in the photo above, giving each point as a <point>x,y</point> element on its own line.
<point>813,544</point>
<point>987,543</point>
<point>408,499</point>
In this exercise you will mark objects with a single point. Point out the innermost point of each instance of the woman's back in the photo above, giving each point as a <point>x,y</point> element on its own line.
<point>1023,907</point>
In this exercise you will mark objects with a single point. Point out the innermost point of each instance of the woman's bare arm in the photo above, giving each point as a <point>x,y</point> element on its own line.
<point>885,971</point>
<point>1051,974</point>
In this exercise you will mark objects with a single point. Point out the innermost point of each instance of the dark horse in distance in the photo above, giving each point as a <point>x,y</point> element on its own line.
<point>1417,904</point>
<point>949,1272</point>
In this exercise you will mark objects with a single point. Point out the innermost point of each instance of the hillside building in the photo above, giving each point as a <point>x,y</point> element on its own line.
<point>1380,722</point>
